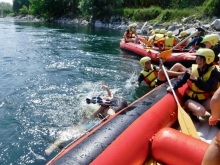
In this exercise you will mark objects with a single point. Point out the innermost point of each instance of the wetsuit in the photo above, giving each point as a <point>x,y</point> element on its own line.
<point>216,50</point>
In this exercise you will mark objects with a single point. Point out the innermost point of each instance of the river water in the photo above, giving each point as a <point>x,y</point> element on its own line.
<point>46,73</point>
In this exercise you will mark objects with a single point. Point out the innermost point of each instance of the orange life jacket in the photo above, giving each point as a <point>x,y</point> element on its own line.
<point>129,34</point>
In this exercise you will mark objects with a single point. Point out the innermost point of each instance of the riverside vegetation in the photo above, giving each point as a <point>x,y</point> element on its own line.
<point>130,10</point>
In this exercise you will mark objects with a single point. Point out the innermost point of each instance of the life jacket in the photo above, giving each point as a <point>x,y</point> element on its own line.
<point>158,37</point>
<point>185,43</point>
<point>193,91</point>
<point>152,33</point>
<point>129,34</point>
<point>169,42</point>
<point>150,77</point>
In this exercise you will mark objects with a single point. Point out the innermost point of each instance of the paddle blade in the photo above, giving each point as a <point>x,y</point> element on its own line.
<point>165,54</point>
<point>146,42</point>
<point>186,123</point>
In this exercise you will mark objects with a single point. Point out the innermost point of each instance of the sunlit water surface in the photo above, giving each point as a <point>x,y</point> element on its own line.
<point>47,71</point>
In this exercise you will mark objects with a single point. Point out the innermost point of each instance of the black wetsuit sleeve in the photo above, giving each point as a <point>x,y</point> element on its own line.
<point>154,67</point>
<point>181,81</point>
<point>216,50</point>
<point>210,84</point>
<point>141,78</point>
<point>192,42</point>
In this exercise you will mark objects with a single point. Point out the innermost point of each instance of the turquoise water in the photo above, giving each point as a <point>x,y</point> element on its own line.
<point>47,71</point>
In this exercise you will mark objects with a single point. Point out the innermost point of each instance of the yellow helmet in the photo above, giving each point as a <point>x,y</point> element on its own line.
<point>150,27</point>
<point>207,53</point>
<point>152,32</point>
<point>132,25</point>
<point>183,34</point>
<point>144,60</point>
<point>162,31</point>
<point>169,34</point>
<point>211,38</point>
<point>156,31</point>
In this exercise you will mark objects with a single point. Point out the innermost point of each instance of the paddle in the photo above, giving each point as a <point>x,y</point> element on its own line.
<point>167,53</point>
<point>185,121</point>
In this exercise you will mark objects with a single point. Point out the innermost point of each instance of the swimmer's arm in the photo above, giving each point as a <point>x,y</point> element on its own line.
<point>107,89</point>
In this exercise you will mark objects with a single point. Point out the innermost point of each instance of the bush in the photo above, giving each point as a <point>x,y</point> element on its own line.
<point>23,10</point>
<point>211,7</point>
<point>142,14</point>
<point>128,12</point>
<point>170,15</point>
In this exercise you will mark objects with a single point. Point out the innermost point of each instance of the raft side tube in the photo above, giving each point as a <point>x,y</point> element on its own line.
<point>172,147</point>
<point>132,146</point>
<point>88,148</point>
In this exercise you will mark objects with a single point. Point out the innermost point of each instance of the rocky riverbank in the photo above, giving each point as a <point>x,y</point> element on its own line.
<point>119,23</point>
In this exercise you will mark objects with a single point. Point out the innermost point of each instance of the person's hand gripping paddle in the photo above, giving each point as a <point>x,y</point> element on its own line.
<point>185,121</point>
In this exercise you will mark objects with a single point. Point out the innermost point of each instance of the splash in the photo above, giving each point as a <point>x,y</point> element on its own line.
<point>129,87</point>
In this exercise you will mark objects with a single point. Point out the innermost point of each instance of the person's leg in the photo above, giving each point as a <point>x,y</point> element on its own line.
<point>130,40</point>
<point>100,110</point>
<point>108,111</point>
<point>206,104</point>
<point>176,70</point>
<point>215,108</point>
<point>212,154</point>
<point>196,108</point>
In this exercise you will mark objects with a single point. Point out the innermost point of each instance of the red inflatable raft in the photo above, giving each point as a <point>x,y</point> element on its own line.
<point>177,56</point>
<point>134,133</point>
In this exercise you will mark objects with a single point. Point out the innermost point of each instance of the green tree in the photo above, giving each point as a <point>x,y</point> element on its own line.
<point>53,8</point>
<point>23,10</point>
<point>18,4</point>
<point>211,7</point>
<point>5,9</point>
<point>99,8</point>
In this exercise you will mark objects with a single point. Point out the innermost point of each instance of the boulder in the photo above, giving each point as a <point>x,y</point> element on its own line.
<point>216,24</point>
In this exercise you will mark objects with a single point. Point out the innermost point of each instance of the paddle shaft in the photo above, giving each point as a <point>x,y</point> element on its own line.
<point>165,72</point>
<point>185,121</point>
<point>184,40</point>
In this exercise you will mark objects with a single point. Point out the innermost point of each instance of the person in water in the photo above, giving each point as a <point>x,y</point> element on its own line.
<point>202,80</point>
<point>212,154</point>
<point>109,105</point>
<point>154,75</point>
